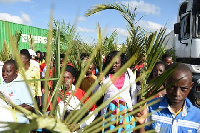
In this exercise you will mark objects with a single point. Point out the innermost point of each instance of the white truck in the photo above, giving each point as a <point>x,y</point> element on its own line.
<point>185,40</point>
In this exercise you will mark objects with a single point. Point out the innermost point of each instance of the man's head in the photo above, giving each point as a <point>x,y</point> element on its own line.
<point>69,77</point>
<point>9,71</point>
<point>167,59</point>
<point>25,55</point>
<point>180,85</point>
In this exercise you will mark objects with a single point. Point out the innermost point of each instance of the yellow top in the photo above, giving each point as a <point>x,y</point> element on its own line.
<point>33,73</point>
<point>43,61</point>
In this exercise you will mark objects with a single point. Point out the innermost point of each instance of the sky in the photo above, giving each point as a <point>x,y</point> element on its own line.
<point>155,14</point>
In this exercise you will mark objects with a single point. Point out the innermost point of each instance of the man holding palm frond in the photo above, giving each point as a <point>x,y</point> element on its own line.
<point>176,114</point>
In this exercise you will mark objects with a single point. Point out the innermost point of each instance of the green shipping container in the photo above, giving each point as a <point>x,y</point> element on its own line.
<point>37,34</point>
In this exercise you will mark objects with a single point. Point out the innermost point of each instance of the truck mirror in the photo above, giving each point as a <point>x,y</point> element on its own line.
<point>177,28</point>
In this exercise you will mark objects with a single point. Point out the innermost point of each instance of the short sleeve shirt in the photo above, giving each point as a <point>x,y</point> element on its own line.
<point>34,73</point>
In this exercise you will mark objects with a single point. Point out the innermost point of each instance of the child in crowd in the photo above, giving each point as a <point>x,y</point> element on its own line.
<point>176,114</point>
<point>167,59</point>
<point>15,88</point>
<point>89,79</point>
<point>158,69</point>
<point>66,94</point>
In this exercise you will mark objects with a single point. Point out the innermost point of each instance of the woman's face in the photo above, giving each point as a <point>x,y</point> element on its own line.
<point>9,72</point>
<point>38,55</point>
<point>116,66</point>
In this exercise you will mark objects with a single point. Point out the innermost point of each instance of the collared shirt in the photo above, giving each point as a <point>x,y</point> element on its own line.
<point>19,94</point>
<point>33,73</point>
<point>187,121</point>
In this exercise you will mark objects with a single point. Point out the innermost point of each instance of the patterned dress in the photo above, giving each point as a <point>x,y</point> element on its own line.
<point>118,109</point>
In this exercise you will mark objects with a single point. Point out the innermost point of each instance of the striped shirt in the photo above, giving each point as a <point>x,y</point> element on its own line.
<point>187,121</point>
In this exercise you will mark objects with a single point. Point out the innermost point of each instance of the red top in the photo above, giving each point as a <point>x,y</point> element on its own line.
<point>42,67</point>
<point>139,66</point>
<point>79,94</point>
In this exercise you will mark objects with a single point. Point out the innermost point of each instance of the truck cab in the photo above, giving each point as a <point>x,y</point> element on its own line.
<point>186,42</point>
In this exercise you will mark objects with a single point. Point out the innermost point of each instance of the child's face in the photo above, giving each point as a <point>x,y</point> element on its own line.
<point>158,70</point>
<point>177,92</point>
<point>168,60</point>
<point>68,80</point>
<point>90,69</point>
<point>9,73</point>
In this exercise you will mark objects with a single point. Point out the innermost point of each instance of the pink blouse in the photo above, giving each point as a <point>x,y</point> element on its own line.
<point>119,83</point>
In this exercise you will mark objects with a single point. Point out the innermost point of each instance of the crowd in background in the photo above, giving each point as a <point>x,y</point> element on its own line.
<point>122,92</point>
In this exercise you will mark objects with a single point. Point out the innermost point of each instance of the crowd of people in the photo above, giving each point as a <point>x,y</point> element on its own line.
<point>173,113</point>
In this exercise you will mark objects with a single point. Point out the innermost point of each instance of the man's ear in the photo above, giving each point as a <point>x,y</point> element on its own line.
<point>192,84</point>
<point>17,71</point>
<point>74,79</point>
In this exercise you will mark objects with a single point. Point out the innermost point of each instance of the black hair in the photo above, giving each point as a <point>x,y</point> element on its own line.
<point>38,51</point>
<point>12,62</point>
<point>62,56</point>
<point>72,70</point>
<point>26,53</point>
<point>44,55</point>
<point>41,57</point>
<point>110,56</point>
<point>164,56</point>
<point>160,63</point>
<point>157,63</point>
<point>84,55</point>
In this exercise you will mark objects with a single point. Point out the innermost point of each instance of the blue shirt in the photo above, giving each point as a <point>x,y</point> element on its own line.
<point>19,94</point>
<point>165,121</point>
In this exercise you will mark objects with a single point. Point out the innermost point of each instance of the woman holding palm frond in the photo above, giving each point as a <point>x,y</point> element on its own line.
<point>122,90</point>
